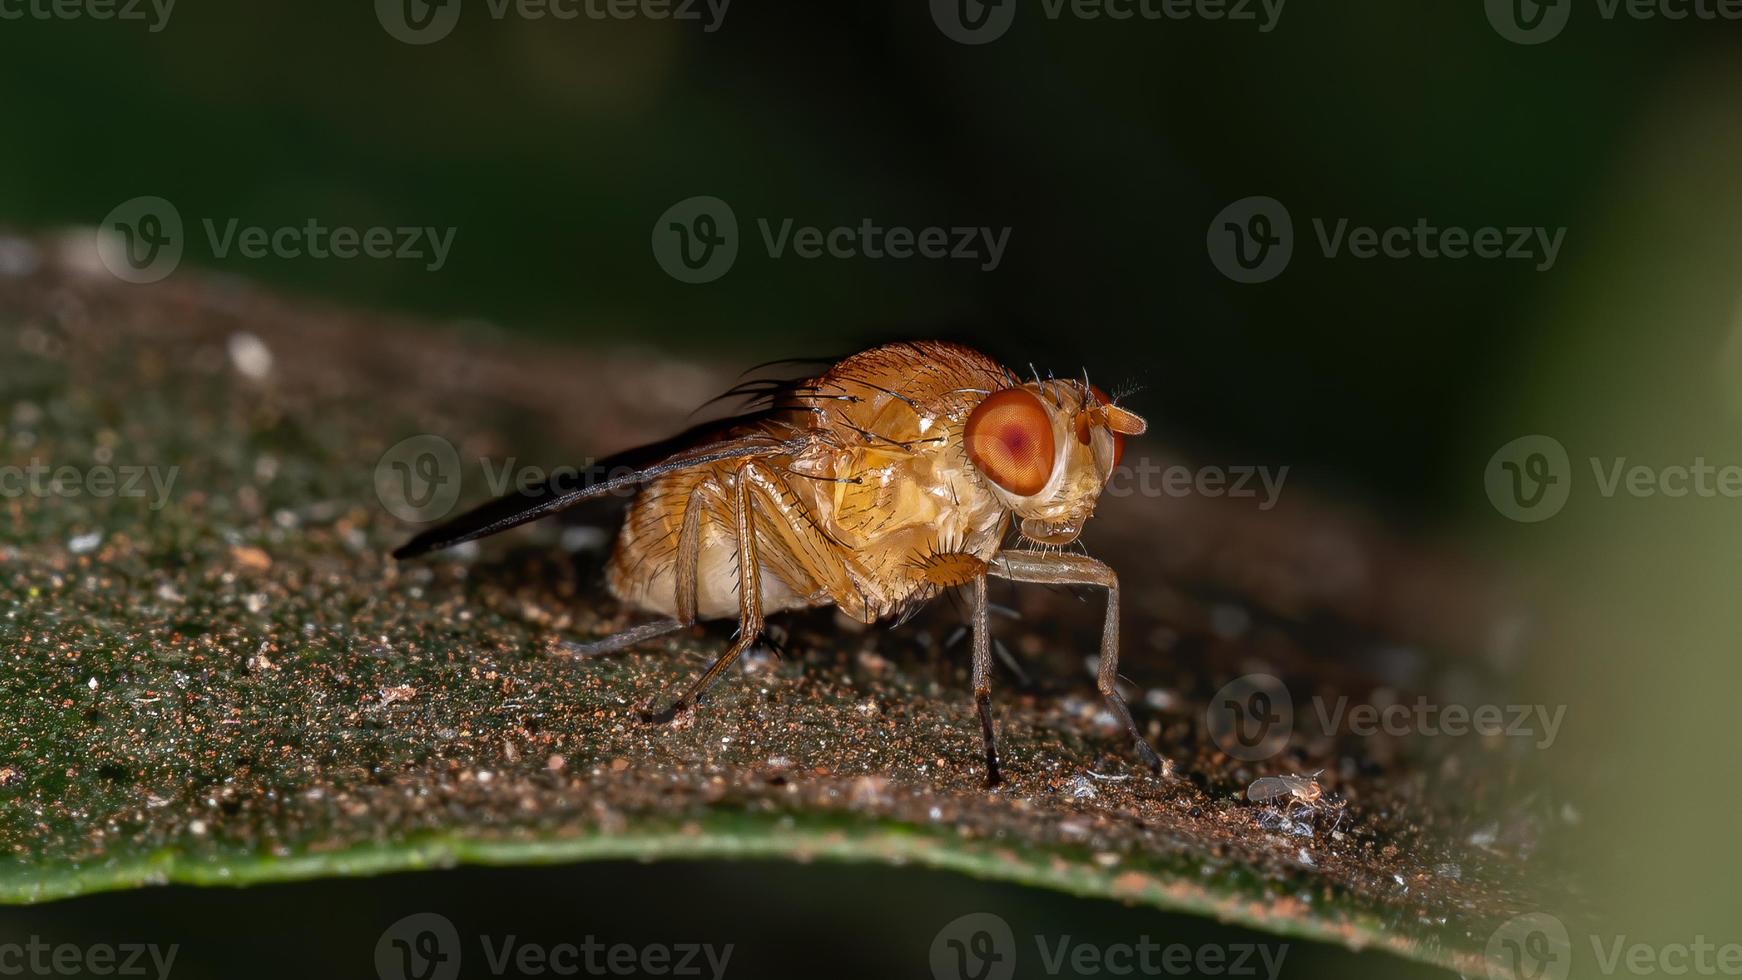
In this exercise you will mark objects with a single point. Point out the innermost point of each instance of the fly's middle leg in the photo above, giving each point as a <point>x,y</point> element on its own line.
<point>1030,566</point>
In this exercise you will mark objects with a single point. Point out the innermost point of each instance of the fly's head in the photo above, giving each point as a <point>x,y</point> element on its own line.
<point>1047,448</point>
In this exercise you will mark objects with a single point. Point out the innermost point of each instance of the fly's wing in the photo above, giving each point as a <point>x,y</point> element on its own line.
<point>1268,788</point>
<point>699,446</point>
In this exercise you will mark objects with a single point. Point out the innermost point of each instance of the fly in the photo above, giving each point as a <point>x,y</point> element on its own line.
<point>895,475</point>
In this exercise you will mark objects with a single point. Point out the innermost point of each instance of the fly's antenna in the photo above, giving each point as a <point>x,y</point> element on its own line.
<point>1126,390</point>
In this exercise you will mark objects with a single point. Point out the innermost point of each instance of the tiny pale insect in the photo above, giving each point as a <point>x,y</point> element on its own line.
<point>895,475</point>
<point>1297,788</point>
<point>1295,792</point>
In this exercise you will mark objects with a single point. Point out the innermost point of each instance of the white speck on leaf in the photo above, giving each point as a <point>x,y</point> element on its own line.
<point>250,356</point>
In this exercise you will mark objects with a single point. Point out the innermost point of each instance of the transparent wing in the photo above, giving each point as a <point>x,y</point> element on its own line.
<point>1269,788</point>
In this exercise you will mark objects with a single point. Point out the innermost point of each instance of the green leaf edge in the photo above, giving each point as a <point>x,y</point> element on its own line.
<point>744,837</point>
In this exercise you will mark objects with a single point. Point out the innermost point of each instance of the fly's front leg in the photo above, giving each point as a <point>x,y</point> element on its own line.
<point>749,596</point>
<point>983,680</point>
<point>1031,566</point>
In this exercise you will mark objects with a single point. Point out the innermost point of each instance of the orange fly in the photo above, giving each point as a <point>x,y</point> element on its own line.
<point>893,476</point>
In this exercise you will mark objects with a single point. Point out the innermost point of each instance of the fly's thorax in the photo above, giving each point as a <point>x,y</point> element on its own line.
<point>926,498</point>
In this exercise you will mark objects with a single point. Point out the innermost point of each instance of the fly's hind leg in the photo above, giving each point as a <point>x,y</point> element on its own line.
<point>1030,566</point>
<point>799,553</point>
<point>749,590</point>
<point>624,640</point>
<point>689,544</point>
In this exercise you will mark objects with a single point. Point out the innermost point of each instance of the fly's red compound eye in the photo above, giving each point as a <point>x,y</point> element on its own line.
<point>1097,416</point>
<point>1009,438</point>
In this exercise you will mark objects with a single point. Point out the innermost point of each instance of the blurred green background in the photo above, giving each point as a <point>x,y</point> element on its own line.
<point>1106,147</point>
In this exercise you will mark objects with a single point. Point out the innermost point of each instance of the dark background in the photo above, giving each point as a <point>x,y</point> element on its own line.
<point>1106,147</point>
